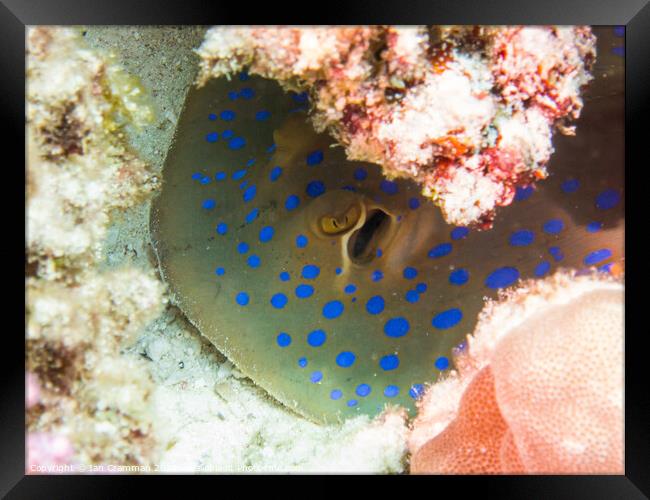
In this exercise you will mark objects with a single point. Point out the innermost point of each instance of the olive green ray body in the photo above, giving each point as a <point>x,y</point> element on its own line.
<point>190,249</point>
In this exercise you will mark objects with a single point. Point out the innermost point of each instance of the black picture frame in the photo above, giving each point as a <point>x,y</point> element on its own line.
<point>15,15</point>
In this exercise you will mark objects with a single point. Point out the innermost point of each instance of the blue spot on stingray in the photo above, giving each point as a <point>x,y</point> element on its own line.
<point>442,363</point>
<point>336,394</point>
<point>523,193</point>
<point>232,95</point>
<point>302,362</point>
<point>553,226</point>
<point>205,180</point>
<point>279,300</point>
<point>389,362</point>
<point>363,390</point>
<point>304,291</point>
<point>243,76</point>
<point>292,202</point>
<point>409,273</point>
<point>276,172</point>
<point>556,253</point>
<point>597,256</point>
<point>607,199</point>
<point>243,185</point>
<point>284,276</point>
<point>522,238</point>
<point>316,377</point>
<point>345,359</point>
<point>315,189</point>
<point>301,241</point>
<point>375,304</point>
<point>416,391</point>
<point>379,252</point>
<point>593,227</point>
<point>447,319</point>
<point>570,185</point>
<point>271,148</point>
<point>300,97</point>
<point>414,203</point>
<point>391,391</point>
<point>458,233</point>
<point>619,31</point>
<point>236,143</point>
<point>314,158</point>
<point>502,277</point>
<point>360,174</point>
<point>250,162</point>
<point>350,289</point>
<point>254,261</point>
<point>310,271</point>
<point>250,193</point>
<point>266,234</point>
<point>377,275</point>
<point>261,116</point>
<point>440,250</point>
<point>242,298</point>
<point>333,309</point>
<point>252,215</point>
<point>212,137</point>
<point>618,51</point>
<point>242,247</point>
<point>219,271</point>
<point>352,402</point>
<point>227,115</point>
<point>219,176</point>
<point>412,296</point>
<point>338,270</point>
<point>209,204</point>
<point>542,268</point>
<point>246,93</point>
<point>283,339</point>
<point>388,187</point>
<point>222,228</point>
<point>238,174</point>
<point>212,117</point>
<point>421,287</point>
<point>227,134</point>
<point>458,276</point>
<point>197,175</point>
<point>607,268</point>
<point>316,338</point>
<point>396,327</point>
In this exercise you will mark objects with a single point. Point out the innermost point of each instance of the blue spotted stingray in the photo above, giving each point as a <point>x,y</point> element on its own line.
<point>337,290</point>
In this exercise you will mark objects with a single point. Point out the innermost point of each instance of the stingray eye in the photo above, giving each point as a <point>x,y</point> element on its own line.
<point>338,225</point>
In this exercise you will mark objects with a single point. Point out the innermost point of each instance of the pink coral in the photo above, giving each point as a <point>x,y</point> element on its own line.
<point>540,389</point>
<point>48,452</point>
<point>32,390</point>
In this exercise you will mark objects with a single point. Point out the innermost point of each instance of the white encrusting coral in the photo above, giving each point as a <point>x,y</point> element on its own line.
<point>78,169</point>
<point>79,319</point>
<point>426,101</point>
